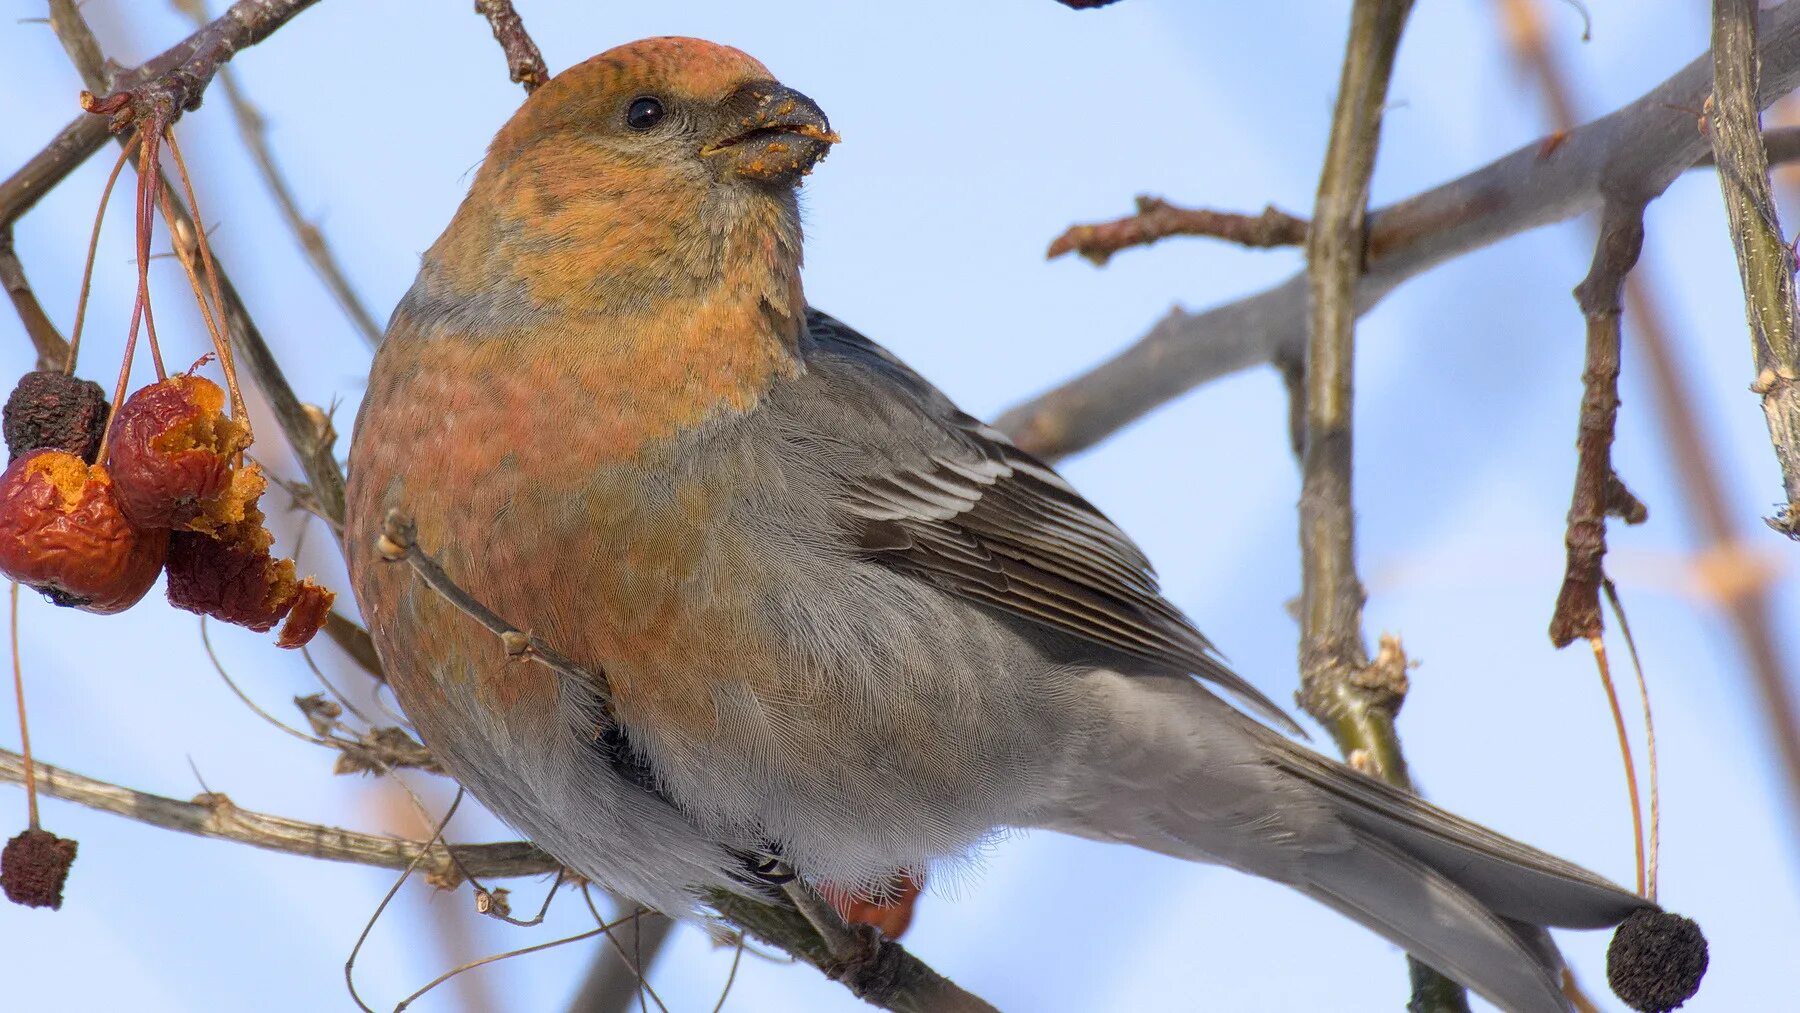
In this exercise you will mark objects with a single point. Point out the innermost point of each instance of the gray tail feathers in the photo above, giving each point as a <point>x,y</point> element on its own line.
<point>1179,771</point>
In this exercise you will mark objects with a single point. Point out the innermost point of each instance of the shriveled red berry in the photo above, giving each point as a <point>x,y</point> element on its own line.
<point>171,453</point>
<point>237,582</point>
<point>64,534</point>
<point>312,606</point>
<point>50,410</point>
<point>34,866</point>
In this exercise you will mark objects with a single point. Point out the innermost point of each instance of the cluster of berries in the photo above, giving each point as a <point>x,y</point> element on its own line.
<point>172,493</point>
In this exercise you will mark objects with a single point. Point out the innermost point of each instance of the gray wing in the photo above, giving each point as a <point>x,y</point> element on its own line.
<point>934,493</point>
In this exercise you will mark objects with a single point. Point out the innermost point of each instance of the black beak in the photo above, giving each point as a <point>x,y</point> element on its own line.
<point>771,134</point>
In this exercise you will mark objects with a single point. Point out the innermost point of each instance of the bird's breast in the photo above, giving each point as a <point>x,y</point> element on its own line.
<point>569,498</point>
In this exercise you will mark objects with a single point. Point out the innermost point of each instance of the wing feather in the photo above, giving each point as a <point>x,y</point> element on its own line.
<point>945,498</point>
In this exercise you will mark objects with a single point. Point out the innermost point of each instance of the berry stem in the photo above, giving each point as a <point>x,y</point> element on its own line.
<point>149,176</point>
<point>19,696</point>
<point>226,361</point>
<point>1631,784</point>
<point>87,269</point>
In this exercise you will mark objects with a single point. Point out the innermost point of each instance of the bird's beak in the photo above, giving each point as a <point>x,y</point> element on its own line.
<point>771,134</point>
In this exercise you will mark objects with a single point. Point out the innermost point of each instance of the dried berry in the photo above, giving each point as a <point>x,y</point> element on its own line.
<point>892,914</point>
<point>172,453</point>
<point>235,581</point>
<point>63,533</point>
<point>50,410</point>
<point>311,607</point>
<point>34,866</point>
<point>1656,960</point>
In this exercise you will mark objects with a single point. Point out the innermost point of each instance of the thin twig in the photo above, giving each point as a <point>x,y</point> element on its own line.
<point>437,835</point>
<point>1598,490</point>
<point>52,348</point>
<point>216,816</point>
<point>399,543</point>
<point>1354,698</point>
<point>1640,149</point>
<point>1765,260</point>
<point>1158,219</point>
<point>523,61</point>
<point>614,981</point>
<point>253,129</point>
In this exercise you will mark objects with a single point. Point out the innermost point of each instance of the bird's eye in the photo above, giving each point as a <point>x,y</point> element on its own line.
<point>643,113</point>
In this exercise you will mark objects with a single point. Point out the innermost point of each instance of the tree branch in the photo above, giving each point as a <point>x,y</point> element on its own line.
<point>175,82</point>
<point>1598,490</point>
<point>1339,686</point>
<point>1765,261</point>
<point>216,816</point>
<point>52,347</point>
<point>1640,149</point>
<point>910,987</point>
<point>1158,219</point>
<point>523,61</point>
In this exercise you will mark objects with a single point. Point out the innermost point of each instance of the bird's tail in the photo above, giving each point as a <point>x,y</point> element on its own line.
<point>1178,771</point>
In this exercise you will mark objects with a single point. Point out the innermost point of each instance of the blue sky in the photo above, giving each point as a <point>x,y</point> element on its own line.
<point>973,133</point>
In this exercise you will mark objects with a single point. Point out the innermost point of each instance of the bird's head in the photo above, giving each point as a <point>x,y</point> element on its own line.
<point>676,109</point>
<point>652,178</point>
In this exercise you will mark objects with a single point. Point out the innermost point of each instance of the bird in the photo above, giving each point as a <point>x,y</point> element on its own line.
<point>845,629</point>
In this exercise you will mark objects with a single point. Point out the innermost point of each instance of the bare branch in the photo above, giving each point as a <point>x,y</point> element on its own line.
<point>523,61</point>
<point>1354,698</point>
<point>1765,260</point>
<point>1598,490</point>
<point>1158,219</point>
<point>214,815</point>
<point>52,347</point>
<point>174,82</point>
<point>905,984</point>
<point>1638,149</point>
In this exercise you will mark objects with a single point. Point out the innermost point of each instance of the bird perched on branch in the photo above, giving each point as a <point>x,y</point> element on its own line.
<point>839,621</point>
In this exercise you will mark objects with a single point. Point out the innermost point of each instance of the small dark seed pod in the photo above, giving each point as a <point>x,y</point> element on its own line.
<point>48,409</point>
<point>1656,960</point>
<point>34,866</point>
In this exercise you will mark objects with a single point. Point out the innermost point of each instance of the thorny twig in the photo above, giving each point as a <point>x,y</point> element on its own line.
<point>1158,219</point>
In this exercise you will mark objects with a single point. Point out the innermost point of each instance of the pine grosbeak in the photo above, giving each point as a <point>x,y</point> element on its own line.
<point>843,622</point>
